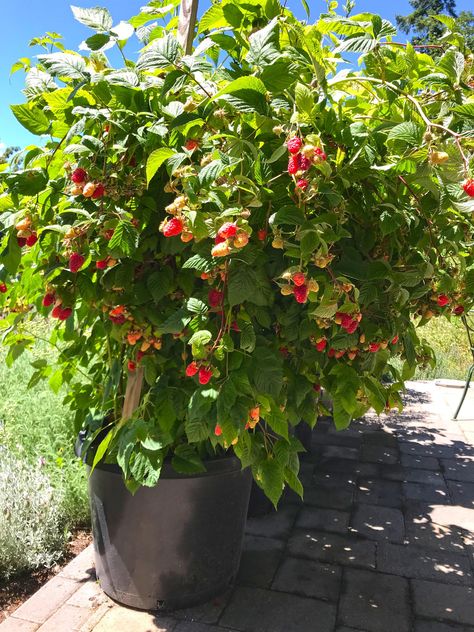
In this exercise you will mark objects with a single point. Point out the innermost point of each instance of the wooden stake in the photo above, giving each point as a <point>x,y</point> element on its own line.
<point>133,393</point>
<point>186,24</point>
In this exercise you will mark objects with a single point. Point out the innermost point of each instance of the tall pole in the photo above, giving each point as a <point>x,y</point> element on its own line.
<point>186,24</point>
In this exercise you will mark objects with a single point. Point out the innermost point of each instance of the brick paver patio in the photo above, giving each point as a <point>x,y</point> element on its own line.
<point>384,541</point>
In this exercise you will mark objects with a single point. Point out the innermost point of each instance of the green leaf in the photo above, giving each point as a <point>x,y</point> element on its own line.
<point>241,284</point>
<point>250,90</point>
<point>304,98</point>
<point>270,477</point>
<point>211,172</point>
<point>247,338</point>
<point>159,283</point>
<point>125,238</point>
<point>266,372</point>
<point>65,65</point>
<point>357,44</point>
<point>294,482</point>
<point>200,263</point>
<point>155,160</point>
<point>161,53</point>
<point>195,306</point>
<point>186,460</point>
<point>97,41</point>
<point>28,182</point>
<point>263,45</point>
<point>145,467</point>
<point>278,422</point>
<point>342,418</point>
<point>407,132</point>
<point>290,215</point>
<point>96,18</point>
<point>102,449</point>
<point>31,117</point>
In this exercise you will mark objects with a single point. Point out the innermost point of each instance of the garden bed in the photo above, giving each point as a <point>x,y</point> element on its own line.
<point>19,589</point>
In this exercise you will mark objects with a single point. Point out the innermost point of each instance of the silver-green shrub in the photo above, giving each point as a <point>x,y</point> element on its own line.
<point>32,533</point>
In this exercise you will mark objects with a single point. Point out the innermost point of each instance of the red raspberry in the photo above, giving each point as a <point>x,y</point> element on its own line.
<point>321,344</point>
<point>458,310</point>
<point>374,347</point>
<point>56,311</point>
<point>48,299</point>
<point>234,326</point>
<point>227,230</point>
<point>173,227</point>
<point>205,375</point>
<point>316,387</point>
<point>21,241</point>
<point>99,192</point>
<point>395,339</point>
<point>215,297</point>
<point>140,355</point>
<point>442,300</point>
<point>351,326</point>
<point>299,278</point>
<point>305,163</point>
<point>284,351</point>
<point>217,430</point>
<point>31,240</point>
<point>109,234</point>
<point>78,175</point>
<point>319,152</point>
<point>294,144</point>
<point>3,288</point>
<point>468,187</point>
<point>102,264</point>
<point>302,184</point>
<point>262,234</point>
<point>331,353</point>
<point>294,164</point>
<point>76,262</point>
<point>191,144</point>
<point>131,365</point>
<point>301,293</point>
<point>192,369</point>
<point>64,313</point>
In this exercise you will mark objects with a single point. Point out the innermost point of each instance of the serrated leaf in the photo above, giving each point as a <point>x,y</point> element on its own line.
<point>155,160</point>
<point>200,263</point>
<point>247,338</point>
<point>96,18</point>
<point>263,45</point>
<point>407,132</point>
<point>211,172</point>
<point>161,53</point>
<point>31,117</point>
<point>357,44</point>
<point>65,65</point>
<point>195,306</point>
<point>270,478</point>
<point>125,238</point>
<point>28,182</point>
<point>96,42</point>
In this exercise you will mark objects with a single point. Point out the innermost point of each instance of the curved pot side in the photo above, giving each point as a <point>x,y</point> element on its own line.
<point>171,546</point>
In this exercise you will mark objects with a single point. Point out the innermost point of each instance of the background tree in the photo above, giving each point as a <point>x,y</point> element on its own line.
<point>6,153</point>
<point>427,30</point>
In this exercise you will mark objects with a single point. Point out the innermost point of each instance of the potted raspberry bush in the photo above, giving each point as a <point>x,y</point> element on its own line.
<point>217,236</point>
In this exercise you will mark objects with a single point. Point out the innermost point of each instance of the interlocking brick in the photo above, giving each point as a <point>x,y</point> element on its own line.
<point>411,475</point>
<point>379,492</point>
<point>436,626</point>
<point>323,519</point>
<point>12,624</point>
<point>309,578</point>
<point>380,438</point>
<point>379,454</point>
<point>277,524</point>
<point>89,595</point>
<point>417,563</point>
<point>427,493</point>
<point>66,619</point>
<point>421,462</point>
<point>378,523</point>
<point>187,626</point>
<point>430,449</point>
<point>461,469</point>
<point>47,600</point>
<point>330,498</point>
<point>260,560</point>
<point>339,452</point>
<point>462,493</point>
<point>374,602</point>
<point>421,530</point>
<point>434,600</point>
<point>120,619</point>
<point>81,568</point>
<point>332,548</point>
<point>257,610</point>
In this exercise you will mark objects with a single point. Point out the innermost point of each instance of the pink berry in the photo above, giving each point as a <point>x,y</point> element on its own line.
<point>205,375</point>
<point>64,313</point>
<point>76,262</point>
<point>192,369</point>
<point>458,310</point>
<point>99,192</point>
<point>294,164</point>
<point>215,297</point>
<point>21,241</point>
<point>321,344</point>
<point>78,175</point>
<point>48,299</point>
<point>173,227</point>
<point>102,264</point>
<point>3,288</point>
<point>31,240</point>
<point>301,293</point>
<point>131,365</point>
<point>305,163</point>
<point>302,184</point>
<point>442,300</point>
<point>374,347</point>
<point>468,187</point>
<point>294,144</point>
<point>217,430</point>
<point>227,230</point>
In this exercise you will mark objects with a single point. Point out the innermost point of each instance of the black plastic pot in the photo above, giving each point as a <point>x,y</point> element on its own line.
<point>174,545</point>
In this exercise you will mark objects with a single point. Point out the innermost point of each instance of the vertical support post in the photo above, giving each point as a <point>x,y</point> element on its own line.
<point>133,393</point>
<point>186,24</point>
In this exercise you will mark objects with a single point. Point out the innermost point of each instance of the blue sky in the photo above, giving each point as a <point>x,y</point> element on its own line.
<point>21,23</point>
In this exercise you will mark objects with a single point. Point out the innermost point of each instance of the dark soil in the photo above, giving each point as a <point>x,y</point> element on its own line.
<point>20,588</point>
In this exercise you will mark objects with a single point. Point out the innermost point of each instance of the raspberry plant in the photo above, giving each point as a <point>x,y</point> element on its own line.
<point>216,236</point>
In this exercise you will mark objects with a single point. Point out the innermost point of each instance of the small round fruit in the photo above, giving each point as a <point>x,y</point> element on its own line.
<point>3,288</point>
<point>131,365</point>
<point>79,175</point>
<point>191,144</point>
<point>99,192</point>
<point>76,261</point>
<point>438,157</point>
<point>23,224</point>
<point>172,227</point>
<point>262,234</point>
<point>102,264</point>
<point>468,187</point>
<point>221,250</point>
<point>298,278</point>
<point>88,190</point>
<point>205,374</point>
<point>227,230</point>
<point>278,243</point>
<point>217,430</point>
<point>294,144</point>
<point>48,299</point>
<point>32,239</point>
<point>241,239</point>
<point>301,293</point>
<point>192,369</point>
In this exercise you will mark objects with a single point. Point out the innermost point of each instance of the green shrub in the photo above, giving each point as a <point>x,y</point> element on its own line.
<point>32,532</point>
